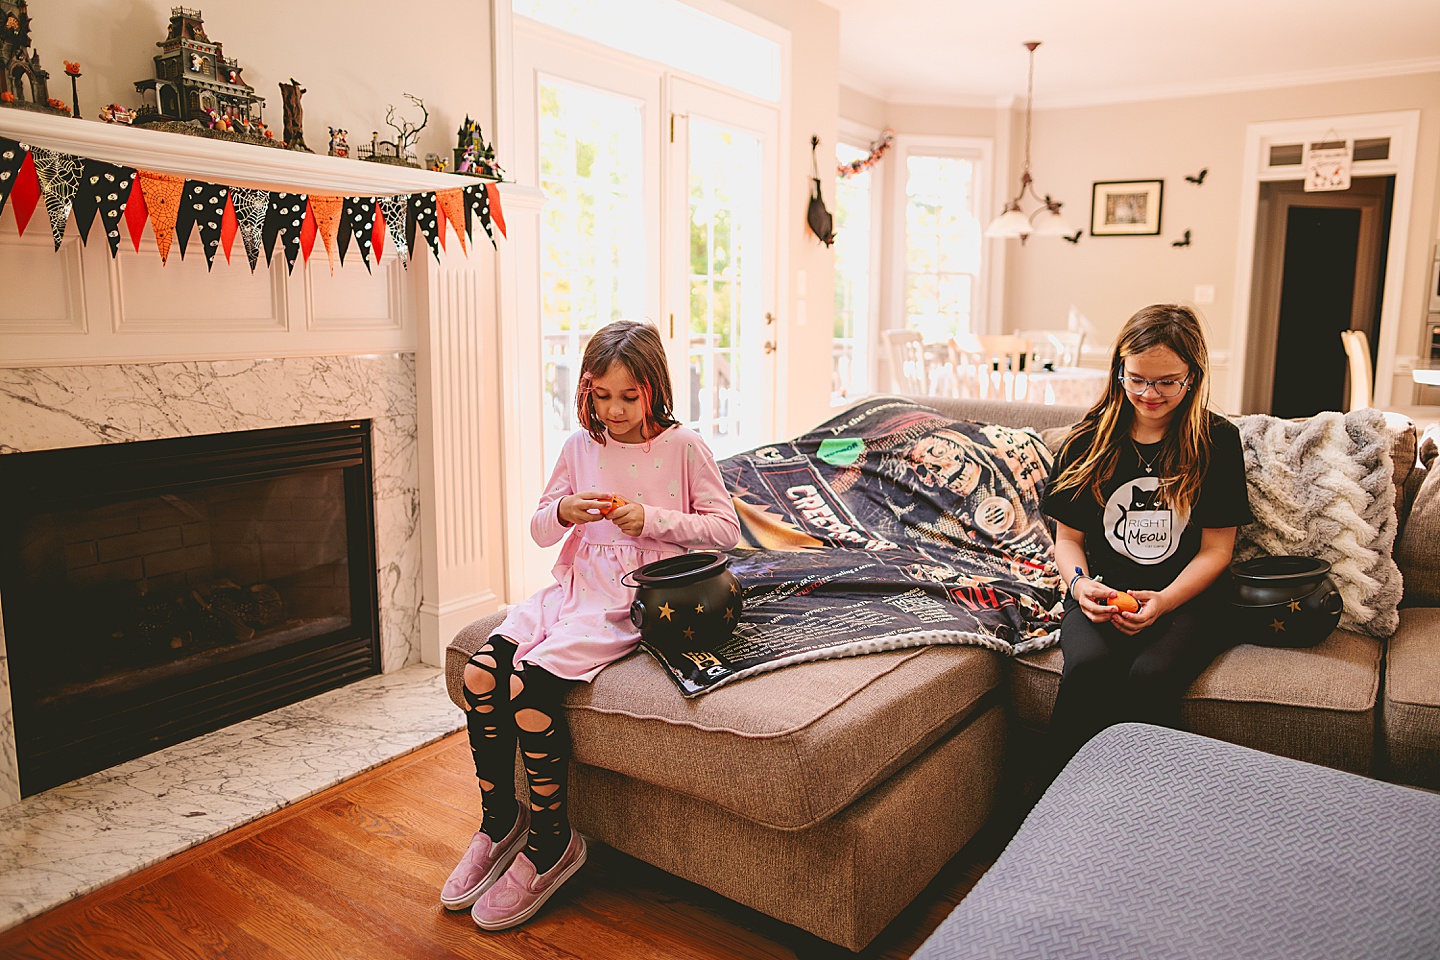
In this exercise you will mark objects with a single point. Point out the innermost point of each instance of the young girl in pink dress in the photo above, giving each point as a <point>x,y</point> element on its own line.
<point>631,487</point>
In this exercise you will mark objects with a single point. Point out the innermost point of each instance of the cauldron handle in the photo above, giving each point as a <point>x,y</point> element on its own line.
<point>626,579</point>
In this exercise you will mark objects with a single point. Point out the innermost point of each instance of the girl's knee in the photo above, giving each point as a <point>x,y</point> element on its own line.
<point>478,680</point>
<point>531,720</point>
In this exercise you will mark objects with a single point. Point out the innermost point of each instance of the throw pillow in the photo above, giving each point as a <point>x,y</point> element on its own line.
<point>1322,487</point>
<point>1415,551</point>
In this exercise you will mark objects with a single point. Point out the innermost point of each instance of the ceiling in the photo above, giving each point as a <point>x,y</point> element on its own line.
<point>971,52</point>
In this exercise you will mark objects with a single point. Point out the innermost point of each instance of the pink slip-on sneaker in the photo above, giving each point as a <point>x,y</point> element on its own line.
<point>484,861</point>
<point>520,893</point>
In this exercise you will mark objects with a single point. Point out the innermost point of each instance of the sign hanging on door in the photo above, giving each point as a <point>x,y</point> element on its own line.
<point>1327,166</point>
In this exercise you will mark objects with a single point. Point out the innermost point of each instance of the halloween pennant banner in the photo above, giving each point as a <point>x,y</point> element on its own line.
<point>83,190</point>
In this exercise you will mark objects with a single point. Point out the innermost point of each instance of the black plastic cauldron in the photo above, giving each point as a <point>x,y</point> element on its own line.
<point>688,602</point>
<point>1285,601</point>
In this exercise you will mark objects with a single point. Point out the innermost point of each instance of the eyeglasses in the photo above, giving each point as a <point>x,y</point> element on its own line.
<point>1163,388</point>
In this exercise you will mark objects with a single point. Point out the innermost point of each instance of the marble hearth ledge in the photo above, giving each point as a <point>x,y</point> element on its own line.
<point>77,837</point>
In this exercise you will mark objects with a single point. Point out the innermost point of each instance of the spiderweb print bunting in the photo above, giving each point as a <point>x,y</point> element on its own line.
<point>59,175</point>
<point>251,206</point>
<point>394,211</point>
<point>104,190</point>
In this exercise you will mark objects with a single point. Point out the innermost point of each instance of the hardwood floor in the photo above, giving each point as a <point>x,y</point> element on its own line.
<point>354,874</point>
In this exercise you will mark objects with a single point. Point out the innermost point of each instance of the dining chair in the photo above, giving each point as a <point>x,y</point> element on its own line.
<point>907,362</point>
<point>1357,352</point>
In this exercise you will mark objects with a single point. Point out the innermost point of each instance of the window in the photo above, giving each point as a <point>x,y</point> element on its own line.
<point>938,204</point>
<point>854,249</point>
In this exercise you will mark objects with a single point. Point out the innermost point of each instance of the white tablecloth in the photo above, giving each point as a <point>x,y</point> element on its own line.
<point>1069,386</point>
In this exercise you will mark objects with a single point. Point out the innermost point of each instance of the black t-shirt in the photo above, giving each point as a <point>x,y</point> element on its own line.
<point>1134,540</point>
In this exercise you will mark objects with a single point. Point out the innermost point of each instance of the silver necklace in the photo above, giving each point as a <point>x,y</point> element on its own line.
<point>1149,465</point>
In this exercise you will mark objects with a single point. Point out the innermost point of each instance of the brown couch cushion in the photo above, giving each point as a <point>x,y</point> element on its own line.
<point>1411,710</point>
<point>1415,549</point>
<point>1315,704</point>
<point>786,749</point>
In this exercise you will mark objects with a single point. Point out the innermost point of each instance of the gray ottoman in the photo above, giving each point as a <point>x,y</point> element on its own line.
<point>1159,843</point>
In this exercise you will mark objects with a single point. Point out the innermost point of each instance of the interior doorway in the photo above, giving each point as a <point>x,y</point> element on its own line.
<point>1319,268</point>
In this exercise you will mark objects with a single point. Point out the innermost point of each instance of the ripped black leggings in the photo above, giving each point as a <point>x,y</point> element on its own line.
<point>508,702</point>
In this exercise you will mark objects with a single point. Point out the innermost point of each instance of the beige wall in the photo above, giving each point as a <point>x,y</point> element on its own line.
<point>353,58</point>
<point>1108,278</point>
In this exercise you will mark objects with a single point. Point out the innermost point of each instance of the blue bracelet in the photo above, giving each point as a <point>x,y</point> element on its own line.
<point>1071,589</point>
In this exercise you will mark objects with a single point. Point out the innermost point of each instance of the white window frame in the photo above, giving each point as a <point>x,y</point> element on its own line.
<point>859,135</point>
<point>980,150</point>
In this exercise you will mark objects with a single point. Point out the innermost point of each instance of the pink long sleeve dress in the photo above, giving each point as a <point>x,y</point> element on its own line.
<point>581,623</point>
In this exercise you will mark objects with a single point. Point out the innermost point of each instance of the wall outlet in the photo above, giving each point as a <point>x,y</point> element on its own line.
<point>1204,293</point>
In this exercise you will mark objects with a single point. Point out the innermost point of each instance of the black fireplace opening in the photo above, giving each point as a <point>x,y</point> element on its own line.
<point>159,590</point>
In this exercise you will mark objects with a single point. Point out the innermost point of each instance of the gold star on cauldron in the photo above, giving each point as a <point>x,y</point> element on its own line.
<point>1295,605</point>
<point>689,634</point>
<point>666,610</point>
<point>734,589</point>
<point>729,613</point>
<point>699,608</point>
<point>1277,625</point>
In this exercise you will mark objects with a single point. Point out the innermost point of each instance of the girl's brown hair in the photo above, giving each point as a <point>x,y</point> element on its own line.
<point>1185,453</point>
<point>637,347</point>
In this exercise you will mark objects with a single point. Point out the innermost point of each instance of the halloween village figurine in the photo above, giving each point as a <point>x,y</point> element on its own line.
<point>197,90</point>
<point>339,144</point>
<point>290,94</point>
<point>24,83</point>
<point>473,156</point>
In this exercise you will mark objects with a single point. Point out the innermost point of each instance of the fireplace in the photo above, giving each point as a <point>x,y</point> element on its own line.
<point>162,589</point>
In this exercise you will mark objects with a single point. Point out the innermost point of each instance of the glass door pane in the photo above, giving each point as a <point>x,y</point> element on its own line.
<point>591,167</point>
<point>725,384</point>
<point>854,246</point>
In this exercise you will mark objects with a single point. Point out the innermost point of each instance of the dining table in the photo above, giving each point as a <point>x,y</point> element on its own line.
<point>1067,386</point>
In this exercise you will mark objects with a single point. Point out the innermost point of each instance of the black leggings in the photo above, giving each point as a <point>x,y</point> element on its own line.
<point>509,702</point>
<point>1110,677</point>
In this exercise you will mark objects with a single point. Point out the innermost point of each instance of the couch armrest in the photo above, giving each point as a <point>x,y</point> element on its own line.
<point>462,648</point>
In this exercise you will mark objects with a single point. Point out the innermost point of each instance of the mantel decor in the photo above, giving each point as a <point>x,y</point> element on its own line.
<point>177,203</point>
<point>1126,208</point>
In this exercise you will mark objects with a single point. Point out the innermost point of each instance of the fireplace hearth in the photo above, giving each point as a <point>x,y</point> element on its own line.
<point>158,590</point>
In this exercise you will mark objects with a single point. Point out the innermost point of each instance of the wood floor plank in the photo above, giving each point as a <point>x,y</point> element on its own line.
<point>354,873</point>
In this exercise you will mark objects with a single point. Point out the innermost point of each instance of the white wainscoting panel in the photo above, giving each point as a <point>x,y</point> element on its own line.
<point>54,281</point>
<point>358,300</point>
<point>181,296</point>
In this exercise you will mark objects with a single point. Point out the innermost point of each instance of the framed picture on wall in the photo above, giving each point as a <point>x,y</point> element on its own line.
<point>1126,208</point>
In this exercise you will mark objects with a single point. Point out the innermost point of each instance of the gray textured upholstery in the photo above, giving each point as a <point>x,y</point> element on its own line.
<point>1158,843</point>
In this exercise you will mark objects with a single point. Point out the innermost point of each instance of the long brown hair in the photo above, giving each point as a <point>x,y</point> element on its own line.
<point>1185,452</point>
<point>637,347</point>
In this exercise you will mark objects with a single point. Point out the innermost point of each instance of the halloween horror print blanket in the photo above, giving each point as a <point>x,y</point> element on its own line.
<point>889,526</point>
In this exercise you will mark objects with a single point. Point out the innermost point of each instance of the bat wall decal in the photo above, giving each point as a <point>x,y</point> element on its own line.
<point>1074,239</point>
<point>1184,242</point>
<point>1199,178</point>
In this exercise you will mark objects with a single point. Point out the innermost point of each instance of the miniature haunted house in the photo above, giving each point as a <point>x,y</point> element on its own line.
<point>194,83</point>
<point>23,82</point>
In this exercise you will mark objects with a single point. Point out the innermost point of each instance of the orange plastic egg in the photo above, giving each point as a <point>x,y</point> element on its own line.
<point>1125,602</point>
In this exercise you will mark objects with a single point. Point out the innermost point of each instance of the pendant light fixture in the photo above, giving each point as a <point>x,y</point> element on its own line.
<point>1046,220</point>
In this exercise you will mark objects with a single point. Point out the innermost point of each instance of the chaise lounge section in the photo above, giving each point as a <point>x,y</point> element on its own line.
<point>828,794</point>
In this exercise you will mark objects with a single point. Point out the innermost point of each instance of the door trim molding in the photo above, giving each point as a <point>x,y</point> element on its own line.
<point>1403,129</point>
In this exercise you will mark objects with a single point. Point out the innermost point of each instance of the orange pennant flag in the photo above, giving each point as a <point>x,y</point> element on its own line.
<point>162,194</point>
<point>327,211</point>
<point>452,204</point>
<point>496,214</point>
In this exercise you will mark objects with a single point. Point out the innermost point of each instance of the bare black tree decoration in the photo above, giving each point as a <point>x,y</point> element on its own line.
<point>407,134</point>
<point>294,123</point>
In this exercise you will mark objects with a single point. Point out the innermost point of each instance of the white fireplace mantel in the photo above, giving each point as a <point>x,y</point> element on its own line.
<point>459,315</point>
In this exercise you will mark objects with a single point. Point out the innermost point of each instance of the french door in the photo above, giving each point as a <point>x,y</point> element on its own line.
<point>721,265</point>
<point>660,205</point>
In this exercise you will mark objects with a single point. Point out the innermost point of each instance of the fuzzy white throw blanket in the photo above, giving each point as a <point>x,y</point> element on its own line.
<point>1322,487</point>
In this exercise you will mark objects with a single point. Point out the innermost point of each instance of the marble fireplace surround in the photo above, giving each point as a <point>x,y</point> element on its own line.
<point>91,353</point>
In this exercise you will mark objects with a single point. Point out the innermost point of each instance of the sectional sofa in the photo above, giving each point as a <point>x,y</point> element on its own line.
<point>828,794</point>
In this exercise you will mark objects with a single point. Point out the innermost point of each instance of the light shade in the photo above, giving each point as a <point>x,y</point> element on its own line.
<point>1049,223</point>
<point>1011,223</point>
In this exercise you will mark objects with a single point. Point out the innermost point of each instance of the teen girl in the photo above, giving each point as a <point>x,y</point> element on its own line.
<point>669,498</point>
<point>1149,489</point>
